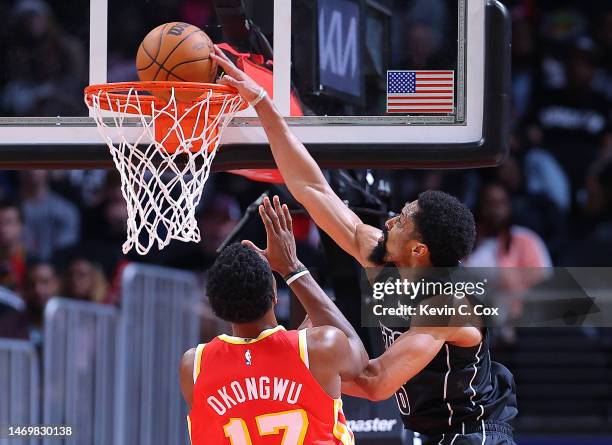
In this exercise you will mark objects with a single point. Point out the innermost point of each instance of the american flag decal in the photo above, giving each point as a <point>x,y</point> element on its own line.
<point>422,92</point>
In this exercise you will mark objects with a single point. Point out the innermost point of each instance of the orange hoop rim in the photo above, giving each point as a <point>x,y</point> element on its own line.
<point>119,92</point>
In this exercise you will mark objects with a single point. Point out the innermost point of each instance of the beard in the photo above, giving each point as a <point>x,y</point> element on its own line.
<point>379,252</point>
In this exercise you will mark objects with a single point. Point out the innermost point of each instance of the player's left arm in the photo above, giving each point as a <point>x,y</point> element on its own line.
<point>414,349</point>
<point>281,254</point>
<point>404,359</point>
<point>186,375</point>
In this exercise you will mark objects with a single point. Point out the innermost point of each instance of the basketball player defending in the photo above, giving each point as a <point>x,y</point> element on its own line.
<point>265,385</point>
<point>446,386</point>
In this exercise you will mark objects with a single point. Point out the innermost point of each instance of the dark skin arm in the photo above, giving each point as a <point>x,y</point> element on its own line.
<point>186,376</point>
<point>411,353</point>
<point>405,358</point>
<point>281,254</point>
<point>334,349</point>
<point>307,184</point>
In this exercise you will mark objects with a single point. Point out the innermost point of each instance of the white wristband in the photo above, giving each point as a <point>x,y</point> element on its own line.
<point>297,275</point>
<point>259,98</point>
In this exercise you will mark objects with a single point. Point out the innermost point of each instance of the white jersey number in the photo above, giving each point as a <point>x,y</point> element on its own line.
<point>294,425</point>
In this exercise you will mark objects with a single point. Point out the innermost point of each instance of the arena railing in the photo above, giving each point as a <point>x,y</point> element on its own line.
<point>79,370</point>
<point>19,387</point>
<point>160,320</point>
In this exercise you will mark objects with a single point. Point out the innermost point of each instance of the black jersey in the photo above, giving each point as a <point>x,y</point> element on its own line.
<point>459,388</point>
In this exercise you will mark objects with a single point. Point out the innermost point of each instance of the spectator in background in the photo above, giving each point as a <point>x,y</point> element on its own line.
<point>525,62</point>
<point>12,251</point>
<point>542,173</point>
<point>560,27</point>
<point>128,27</point>
<point>500,243</point>
<point>12,314</point>
<point>216,220</point>
<point>41,284</point>
<point>529,186</point>
<point>594,250</point>
<point>418,35</point>
<point>83,280</point>
<point>574,118</point>
<point>50,221</point>
<point>34,88</point>
<point>104,228</point>
<point>516,253</point>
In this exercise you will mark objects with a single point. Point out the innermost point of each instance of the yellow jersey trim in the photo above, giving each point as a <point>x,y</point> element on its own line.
<point>341,431</point>
<point>189,429</point>
<point>303,344</point>
<point>248,341</point>
<point>197,363</point>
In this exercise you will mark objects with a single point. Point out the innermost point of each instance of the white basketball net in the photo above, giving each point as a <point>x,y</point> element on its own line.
<point>161,189</point>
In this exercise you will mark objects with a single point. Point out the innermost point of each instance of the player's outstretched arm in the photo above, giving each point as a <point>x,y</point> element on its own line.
<point>281,254</point>
<point>405,358</point>
<point>299,170</point>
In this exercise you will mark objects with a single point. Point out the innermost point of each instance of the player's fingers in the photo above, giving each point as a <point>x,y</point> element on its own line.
<point>272,214</point>
<point>288,217</point>
<point>261,253</point>
<point>221,55</point>
<point>266,220</point>
<point>227,65</point>
<point>222,62</point>
<point>252,246</point>
<point>279,212</point>
<point>228,80</point>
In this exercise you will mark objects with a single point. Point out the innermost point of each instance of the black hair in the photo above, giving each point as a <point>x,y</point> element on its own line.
<point>10,203</point>
<point>446,226</point>
<point>240,285</point>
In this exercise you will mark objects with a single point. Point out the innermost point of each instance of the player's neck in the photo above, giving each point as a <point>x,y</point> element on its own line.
<point>253,329</point>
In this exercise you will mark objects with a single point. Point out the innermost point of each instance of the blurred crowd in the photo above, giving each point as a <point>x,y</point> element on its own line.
<point>549,204</point>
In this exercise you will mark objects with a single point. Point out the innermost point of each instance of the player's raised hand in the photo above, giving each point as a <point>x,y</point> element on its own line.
<point>234,77</point>
<point>280,251</point>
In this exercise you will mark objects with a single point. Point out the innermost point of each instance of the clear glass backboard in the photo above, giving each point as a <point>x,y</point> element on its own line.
<point>378,83</point>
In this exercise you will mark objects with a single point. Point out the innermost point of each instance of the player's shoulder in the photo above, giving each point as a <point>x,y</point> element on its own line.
<point>326,341</point>
<point>191,357</point>
<point>187,360</point>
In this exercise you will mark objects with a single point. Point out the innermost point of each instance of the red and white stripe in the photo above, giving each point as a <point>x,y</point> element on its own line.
<point>435,93</point>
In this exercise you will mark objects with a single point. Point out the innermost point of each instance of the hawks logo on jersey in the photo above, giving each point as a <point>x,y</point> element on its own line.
<point>272,400</point>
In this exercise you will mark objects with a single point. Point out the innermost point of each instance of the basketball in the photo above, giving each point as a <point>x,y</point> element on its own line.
<point>176,51</point>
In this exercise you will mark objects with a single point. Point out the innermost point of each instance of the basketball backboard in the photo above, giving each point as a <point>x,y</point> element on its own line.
<point>381,83</point>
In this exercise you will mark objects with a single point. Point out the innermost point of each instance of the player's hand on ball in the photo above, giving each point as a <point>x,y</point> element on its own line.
<point>234,77</point>
<point>280,252</point>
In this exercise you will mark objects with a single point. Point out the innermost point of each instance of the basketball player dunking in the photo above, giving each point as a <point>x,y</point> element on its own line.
<point>446,385</point>
<point>265,385</point>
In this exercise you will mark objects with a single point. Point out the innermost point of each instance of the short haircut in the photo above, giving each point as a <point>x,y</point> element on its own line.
<point>446,226</point>
<point>240,285</point>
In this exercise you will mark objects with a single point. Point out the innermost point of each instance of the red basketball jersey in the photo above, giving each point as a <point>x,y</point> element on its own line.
<point>261,392</point>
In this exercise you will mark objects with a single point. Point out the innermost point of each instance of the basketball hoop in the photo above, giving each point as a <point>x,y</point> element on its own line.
<point>164,170</point>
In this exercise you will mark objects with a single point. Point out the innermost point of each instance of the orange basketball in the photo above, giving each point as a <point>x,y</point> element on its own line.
<point>179,52</point>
